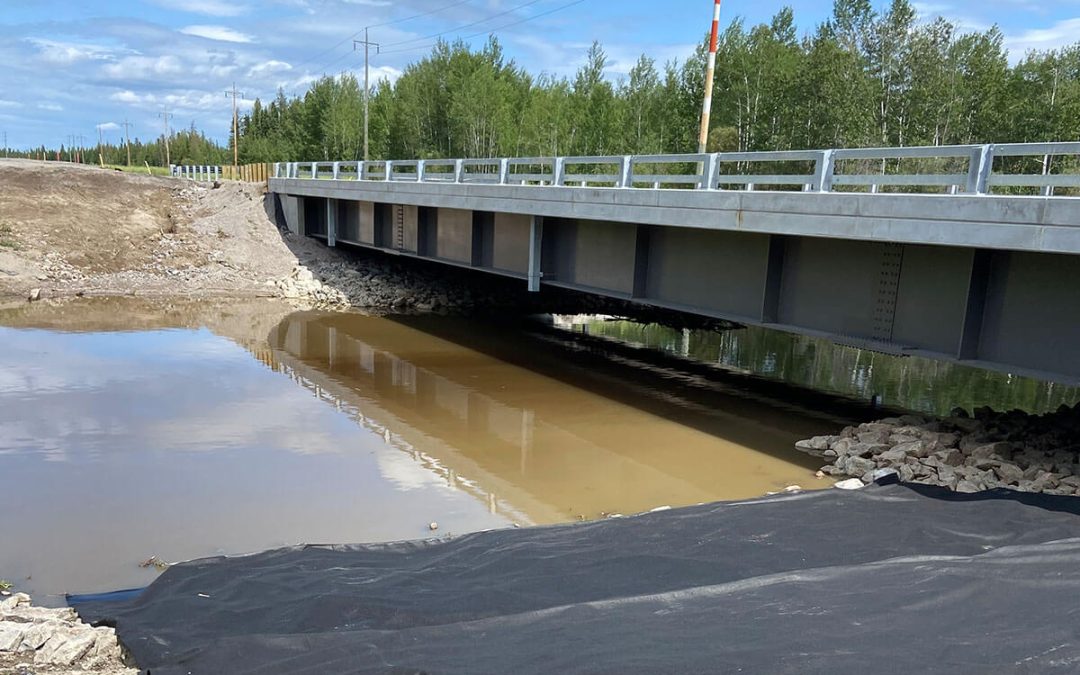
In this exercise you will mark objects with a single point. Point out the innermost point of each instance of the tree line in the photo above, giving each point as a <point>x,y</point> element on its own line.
<point>862,78</point>
<point>187,146</point>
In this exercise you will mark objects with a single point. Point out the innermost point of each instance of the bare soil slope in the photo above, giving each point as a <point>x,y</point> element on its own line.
<point>69,229</point>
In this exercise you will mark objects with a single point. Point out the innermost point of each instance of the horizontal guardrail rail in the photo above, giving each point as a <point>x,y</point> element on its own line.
<point>249,173</point>
<point>958,169</point>
<point>201,173</point>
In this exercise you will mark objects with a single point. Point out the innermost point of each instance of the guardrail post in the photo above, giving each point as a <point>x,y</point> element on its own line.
<point>459,170</point>
<point>421,170</point>
<point>277,168</point>
<point>559,171</point>
<point>360,167</point>
<point>980,166</point>
<point>626,172</point>
<point>389,170</point>
<point>824,166</point>
<point>337,169</point>
<point>504,171</point>
<point>314,170</point>
<point>1047,190</point>
<point>710,172</point>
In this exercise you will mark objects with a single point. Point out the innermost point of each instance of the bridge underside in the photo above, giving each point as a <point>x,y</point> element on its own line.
<point>1000,309</point>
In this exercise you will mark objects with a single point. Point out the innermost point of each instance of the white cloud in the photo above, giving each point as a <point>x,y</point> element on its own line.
<point>143,67</point>
<point>926,9</point>
<point>55,107</point>
<point>188,101</point>
<point>267,67</point>
<point>1060,34</point>
<point>207,7</point>
<point>126,96</point>
<point>9,104</point>
<point>67,53</point>
<point>108,126</point>
<point>219,33</point>
<point>380,73</point>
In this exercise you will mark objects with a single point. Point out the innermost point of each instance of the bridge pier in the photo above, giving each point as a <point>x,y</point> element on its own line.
<point>331,222</point>
<point>536,246</point>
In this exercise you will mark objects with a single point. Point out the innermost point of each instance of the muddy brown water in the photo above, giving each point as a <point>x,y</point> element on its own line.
<point>182,430</point>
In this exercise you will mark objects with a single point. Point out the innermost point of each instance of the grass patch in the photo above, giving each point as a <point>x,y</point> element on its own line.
<point>154,170</point>
<point>7,239</point>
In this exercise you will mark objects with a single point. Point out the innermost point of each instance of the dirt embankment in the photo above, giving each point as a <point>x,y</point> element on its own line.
<point>77,230</point>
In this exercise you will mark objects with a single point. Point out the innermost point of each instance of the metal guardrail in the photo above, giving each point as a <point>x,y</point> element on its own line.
<point>966,169</point>
<point>203,173</point>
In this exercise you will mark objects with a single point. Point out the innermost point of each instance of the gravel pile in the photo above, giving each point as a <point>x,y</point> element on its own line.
<point>1031,453</point>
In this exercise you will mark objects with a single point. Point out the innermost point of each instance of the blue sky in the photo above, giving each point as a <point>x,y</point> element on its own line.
<point>72,65</point>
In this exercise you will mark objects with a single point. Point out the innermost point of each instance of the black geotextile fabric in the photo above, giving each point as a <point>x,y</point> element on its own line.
<point>888,579</point>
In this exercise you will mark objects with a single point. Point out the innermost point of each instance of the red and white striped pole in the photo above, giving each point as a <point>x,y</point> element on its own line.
<point>706,104</point>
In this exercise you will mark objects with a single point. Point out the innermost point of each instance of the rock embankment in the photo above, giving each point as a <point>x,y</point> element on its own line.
<point>1031,453</point>
<point>46,640</point>
<point>376,285</point>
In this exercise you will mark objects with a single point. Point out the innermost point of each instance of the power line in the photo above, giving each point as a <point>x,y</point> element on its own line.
<point>367,87</point>
<point>341,58</point>
<point>376,25</point>
<point>165,115</point>
<point>235,123</point>
<point>468,25</point>
<point>417,16</point>
<point>127,140</point>
<point>492,30</point>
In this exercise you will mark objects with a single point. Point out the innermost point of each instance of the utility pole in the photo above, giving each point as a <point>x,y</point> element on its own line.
<point>367,89</point>
<point>710,67</point>
<point>165,115</point>
<point>127,141</point>
<point>82,147</point>
<point>100,148</point>
<point>235,126</point>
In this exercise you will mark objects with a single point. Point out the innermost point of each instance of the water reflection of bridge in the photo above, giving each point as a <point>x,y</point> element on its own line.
<point>530,446</point>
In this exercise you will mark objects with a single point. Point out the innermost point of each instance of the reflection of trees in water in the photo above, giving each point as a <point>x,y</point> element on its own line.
<point>912,382</point>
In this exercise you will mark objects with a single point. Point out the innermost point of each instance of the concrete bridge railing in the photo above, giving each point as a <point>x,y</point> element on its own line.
<point>959,169</point>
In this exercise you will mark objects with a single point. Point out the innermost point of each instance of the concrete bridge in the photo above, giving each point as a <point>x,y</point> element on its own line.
<point>962,253</point>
